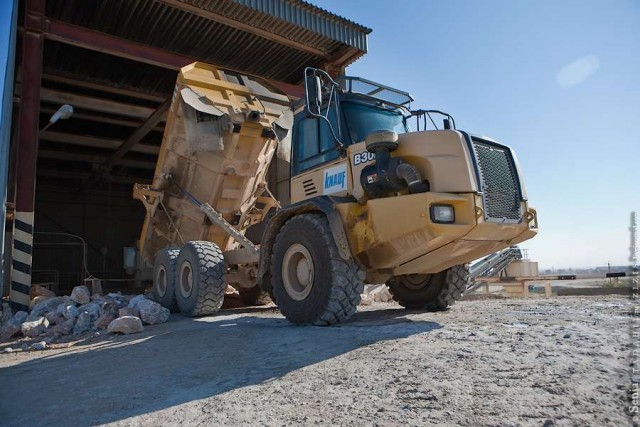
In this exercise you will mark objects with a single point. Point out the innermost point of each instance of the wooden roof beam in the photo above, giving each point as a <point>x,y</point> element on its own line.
<point>102,42</point>
<point>100,118</point>
<point>95,104</point>
<point>93,159</point>
<point>101,87</point>
<point>83,176</point>
<point>95,142</point>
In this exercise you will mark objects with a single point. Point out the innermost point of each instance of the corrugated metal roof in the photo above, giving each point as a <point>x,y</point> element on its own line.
<point>274,39</point>
<point>311,17</point>
<point>160,25</point>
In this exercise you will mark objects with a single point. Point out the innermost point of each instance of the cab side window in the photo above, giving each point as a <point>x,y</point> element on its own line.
<point>314,144</point>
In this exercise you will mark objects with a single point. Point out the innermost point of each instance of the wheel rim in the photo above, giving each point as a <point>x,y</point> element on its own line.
<point>161,281</point>
<point>297,272</point>
<point>186,279</point>
<point>416,281</point>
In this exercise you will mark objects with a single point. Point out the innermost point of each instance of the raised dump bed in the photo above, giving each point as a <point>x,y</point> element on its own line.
<point>221,134</point>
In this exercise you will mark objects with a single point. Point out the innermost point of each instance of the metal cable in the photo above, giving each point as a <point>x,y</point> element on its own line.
<point>171,222</point>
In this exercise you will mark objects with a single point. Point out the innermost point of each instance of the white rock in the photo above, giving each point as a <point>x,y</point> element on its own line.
<point>37,300</point>
<point>53,317</point>
<point>35,327</point>
<point>12,327</point>
<point>38,345</point>
<point>126,311</point>
<point>152,313</point>
<point>9,330</point>
<point>70,311</point>
<point>381,294</point>
<point>366,299</point>
<point>60,309</point>
<point>92,308</point>
<point>48,305</point>
<point>81,295</point>
<point>65,328</point>
<point>133,302</point>
<point>125,325</point>
<point>33,316</point>
<point>83,323</point>
<point>20,317</point>
<point>104,320</point>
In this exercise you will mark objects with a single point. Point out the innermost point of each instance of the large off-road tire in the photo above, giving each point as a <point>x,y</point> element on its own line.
<point>312,284</point>
<point>432,292</point>
<point>254,296</point>
<point>200,284</point>
<point>164,278</point>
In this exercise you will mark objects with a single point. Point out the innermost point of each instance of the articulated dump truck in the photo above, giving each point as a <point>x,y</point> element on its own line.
<point>306,201</point>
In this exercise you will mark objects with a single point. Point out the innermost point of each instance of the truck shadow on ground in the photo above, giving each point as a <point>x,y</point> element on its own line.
<point>181,361</point>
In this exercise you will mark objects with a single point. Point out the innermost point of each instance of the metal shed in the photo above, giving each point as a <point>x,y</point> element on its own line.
<point>115,61</point>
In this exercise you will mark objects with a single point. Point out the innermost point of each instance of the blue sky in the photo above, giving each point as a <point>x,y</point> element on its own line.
<point>5,21</point>
<point>559,81</point>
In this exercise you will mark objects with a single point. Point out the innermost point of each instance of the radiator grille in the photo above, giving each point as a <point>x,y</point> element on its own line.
<point>500,187</point>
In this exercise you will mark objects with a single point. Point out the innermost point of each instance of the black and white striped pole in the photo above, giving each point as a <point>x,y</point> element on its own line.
<point>23,234</point>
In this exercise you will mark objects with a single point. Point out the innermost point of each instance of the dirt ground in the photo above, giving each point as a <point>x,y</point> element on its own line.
<point>540,362</point>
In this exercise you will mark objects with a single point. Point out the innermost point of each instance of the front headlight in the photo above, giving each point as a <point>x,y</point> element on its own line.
<point>442,214</point>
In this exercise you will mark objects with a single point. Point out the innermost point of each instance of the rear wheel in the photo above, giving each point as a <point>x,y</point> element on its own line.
<point>432,292</point>
<point>164,278</point>
<point>312,284</point>
<point>200,284</point>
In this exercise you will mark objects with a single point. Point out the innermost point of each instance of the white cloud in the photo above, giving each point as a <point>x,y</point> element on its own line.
<point>577,71</point>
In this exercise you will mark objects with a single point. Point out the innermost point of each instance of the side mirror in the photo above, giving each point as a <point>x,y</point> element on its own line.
<point>321,96</point>
<point>318,90</point>
<point>313,91</point>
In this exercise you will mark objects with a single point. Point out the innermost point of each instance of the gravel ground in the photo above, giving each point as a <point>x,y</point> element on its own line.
<point>540,362</point>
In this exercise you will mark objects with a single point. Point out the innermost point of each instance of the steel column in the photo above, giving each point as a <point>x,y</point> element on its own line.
<point>28,123</point>
<point>5,132</point>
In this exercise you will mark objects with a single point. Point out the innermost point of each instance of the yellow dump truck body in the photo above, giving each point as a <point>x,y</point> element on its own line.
<point>396,235</point>
<point>220,137</point>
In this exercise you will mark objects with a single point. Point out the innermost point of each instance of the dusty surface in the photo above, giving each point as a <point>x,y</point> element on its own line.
<point>562,361</point>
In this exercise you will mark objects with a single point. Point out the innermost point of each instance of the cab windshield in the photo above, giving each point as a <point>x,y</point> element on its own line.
<point>363,119</point>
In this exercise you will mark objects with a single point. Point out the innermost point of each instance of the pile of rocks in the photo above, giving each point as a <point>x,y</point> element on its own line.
<point>52,317</point>
<point>375,293</point>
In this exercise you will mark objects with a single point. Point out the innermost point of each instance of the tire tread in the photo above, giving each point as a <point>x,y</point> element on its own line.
<point>455,284</point>
<point>211,287</point>
<point>347,277</point>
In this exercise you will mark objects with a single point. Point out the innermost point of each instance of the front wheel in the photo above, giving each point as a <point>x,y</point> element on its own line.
<point>433,292</point>
<point>312,284</point>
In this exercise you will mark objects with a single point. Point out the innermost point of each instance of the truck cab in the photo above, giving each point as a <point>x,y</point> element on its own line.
<point>414,201</point>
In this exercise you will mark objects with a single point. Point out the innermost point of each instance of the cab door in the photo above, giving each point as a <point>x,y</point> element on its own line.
<point>317,168</point>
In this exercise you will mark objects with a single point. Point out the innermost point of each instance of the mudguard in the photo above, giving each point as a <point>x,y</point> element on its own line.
<point>323,204</point>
